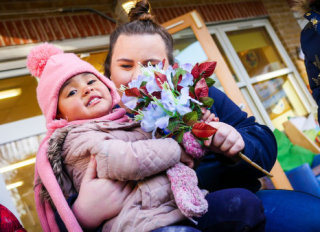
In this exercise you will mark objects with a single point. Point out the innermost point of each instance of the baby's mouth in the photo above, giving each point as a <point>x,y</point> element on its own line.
<point>93,100</point>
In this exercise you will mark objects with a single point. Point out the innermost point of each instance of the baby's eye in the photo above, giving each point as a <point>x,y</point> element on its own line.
<point>72,92</point>
<point>91,82</point>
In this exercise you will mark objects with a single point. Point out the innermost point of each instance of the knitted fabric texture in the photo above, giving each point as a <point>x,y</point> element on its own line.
<point>54,68</point>
<point>184,184</point>
<point>192,146</point>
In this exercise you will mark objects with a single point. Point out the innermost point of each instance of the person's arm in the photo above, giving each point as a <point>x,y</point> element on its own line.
<point>98,199</point>
<point>217,171</point>
<point>121,160</point>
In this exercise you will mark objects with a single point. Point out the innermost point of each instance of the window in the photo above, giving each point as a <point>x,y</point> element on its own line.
<point>264,72</point>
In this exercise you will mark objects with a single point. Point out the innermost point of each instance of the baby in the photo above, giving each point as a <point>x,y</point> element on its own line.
<point>78,103</point>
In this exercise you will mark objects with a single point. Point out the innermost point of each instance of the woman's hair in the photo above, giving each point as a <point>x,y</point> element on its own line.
<point>141,22</point>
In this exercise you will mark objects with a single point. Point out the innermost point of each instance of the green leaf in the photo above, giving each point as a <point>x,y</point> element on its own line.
<point>143,83</point>
<point>174,124</point>
<point>198,110</point>
<point>190,118</point>
<point>179,137</point>
<point>175,80</point>
<point>191,89</point>
<point>210,82</point>
<point>180,71</point>
<point>207,101</point>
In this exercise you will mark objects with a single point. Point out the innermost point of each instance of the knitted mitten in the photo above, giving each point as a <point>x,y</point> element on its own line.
<point>184,184</point>
<point>192,146</point>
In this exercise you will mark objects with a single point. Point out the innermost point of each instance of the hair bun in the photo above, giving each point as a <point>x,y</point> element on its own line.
<point>39,56</point>
<point>140,11</point>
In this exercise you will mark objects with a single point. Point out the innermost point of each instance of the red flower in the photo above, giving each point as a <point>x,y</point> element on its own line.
<point>203,130</point>
<point>201,89</point>
<point>206,69</point>
<point>134,92</point>
<point>160,78</point>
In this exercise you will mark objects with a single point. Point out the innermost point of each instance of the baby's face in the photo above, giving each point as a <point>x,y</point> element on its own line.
<point>84,96</point>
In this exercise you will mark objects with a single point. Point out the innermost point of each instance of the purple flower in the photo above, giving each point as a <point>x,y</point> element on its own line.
<point>154,117</point>
<point>187,66</point>
<point>137,82</point>
<point>168,100</point>
<point>129,102</point>
<point>187,80</point>
<point>152,86</point>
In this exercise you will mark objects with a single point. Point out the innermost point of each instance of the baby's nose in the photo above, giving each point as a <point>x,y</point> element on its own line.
<point>87,90</point>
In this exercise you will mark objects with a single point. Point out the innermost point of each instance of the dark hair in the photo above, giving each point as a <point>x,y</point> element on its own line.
<point>141,22</point>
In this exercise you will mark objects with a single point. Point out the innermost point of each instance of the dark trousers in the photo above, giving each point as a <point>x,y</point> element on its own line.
<point>234,210</point>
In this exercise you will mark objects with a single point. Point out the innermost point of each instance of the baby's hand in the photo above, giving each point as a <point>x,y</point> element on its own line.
<point>227,140</point>
<point>207,116</point>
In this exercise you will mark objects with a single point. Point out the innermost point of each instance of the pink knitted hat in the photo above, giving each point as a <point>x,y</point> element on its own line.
<point>54,67</point>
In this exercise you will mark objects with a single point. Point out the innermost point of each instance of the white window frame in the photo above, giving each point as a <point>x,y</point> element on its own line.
<point>246,82</point>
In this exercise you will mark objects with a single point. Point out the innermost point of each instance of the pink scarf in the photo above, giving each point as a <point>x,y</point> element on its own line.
<point>44,171</point>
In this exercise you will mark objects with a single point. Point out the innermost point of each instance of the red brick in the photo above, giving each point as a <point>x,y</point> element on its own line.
<point>63,27</point>
<point>33,35</point>
<point>93,25</point>
<point>71,27</point>
<point>23,32</point>
<point>55,28</point>
<point>85,24</point>
<point>39,29</point>
<point>6,37</point>
<point>15,35</point>
<point>78,23</point>
<point>98,23</point>
<point>47,29</point>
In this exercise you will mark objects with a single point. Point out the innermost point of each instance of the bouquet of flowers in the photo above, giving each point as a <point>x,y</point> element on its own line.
<point>169,102</point>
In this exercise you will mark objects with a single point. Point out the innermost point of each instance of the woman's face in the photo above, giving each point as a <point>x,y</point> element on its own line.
<point>130,50</point>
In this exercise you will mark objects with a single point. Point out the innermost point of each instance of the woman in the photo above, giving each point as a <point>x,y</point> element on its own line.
<point>142,41</point>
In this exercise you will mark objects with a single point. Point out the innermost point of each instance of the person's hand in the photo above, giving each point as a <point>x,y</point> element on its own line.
<point>186,159</point>
<point>99,199</point>
<point>227,140</point>
<point>207,116</point>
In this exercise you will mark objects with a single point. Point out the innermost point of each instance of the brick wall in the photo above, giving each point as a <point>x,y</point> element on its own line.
<point>287,29</point>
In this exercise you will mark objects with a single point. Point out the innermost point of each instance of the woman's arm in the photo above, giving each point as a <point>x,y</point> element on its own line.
<point>217,171</point>
<point>99,199</point>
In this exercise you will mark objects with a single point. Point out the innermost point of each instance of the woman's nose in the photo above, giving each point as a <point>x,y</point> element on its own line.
<point>136,72</point>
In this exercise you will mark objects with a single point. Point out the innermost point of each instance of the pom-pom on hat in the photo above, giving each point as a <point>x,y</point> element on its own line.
<point>53,67</point>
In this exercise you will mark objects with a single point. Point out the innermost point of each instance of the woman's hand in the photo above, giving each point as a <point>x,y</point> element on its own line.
<point>186,159</point>
<point>207,116</point>
<point>227,140</point>
<point>99,199</point>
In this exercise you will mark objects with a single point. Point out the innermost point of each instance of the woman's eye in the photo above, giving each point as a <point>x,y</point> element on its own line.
<point>91,82</point>
<point>126,66</point>
<point>72,92</point>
